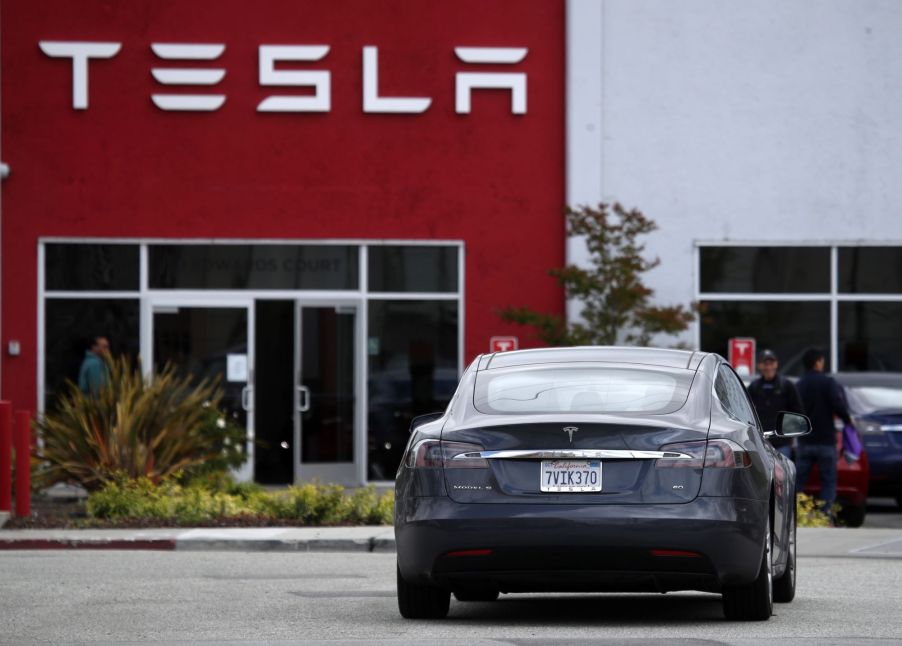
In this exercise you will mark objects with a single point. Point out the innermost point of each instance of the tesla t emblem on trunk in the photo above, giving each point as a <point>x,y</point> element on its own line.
<point>570,430</point>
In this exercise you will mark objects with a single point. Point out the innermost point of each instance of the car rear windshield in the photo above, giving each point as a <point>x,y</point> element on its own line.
<point>589,389</point>
<point>870,399</point>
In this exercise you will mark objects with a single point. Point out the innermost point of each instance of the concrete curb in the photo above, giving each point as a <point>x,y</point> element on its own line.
<point>85,544</point>
<point>255,539</point>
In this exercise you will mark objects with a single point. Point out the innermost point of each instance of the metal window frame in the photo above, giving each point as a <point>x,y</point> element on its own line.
<point>833,297</point>
<point>148,297</point>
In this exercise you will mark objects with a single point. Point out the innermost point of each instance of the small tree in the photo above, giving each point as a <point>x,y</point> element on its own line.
<point>616,303</point>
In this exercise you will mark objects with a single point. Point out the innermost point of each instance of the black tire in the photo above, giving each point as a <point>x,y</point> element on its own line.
<point>851,515</point>
<point>422,601</point>
<point>899,502</point>
<point>476,594</point>
<point>785,585</point>
<point>753,601</point>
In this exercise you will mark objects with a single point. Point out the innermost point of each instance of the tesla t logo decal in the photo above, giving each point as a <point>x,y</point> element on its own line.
<point>570,430</point>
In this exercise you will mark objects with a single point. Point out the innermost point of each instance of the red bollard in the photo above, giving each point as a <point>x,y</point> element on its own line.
<point>6,456</point>
<point>23,463</point>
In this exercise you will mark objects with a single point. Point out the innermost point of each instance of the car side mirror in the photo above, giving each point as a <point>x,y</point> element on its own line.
<point>419,420</point>
<point>792,424</point>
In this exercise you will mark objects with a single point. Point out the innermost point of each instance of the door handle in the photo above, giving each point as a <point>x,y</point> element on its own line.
<point>247,398</point>
<point>303,399</point>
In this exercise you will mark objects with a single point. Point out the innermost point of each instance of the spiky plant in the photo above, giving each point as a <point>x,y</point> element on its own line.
<point>133,427</point>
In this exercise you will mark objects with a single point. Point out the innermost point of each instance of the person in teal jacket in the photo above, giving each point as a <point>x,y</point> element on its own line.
<point>93,374</point>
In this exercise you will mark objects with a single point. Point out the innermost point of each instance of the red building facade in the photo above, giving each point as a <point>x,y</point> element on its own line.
<point>355,187</point>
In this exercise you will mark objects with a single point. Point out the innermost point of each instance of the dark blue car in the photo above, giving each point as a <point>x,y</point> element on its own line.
<point>875,402</point>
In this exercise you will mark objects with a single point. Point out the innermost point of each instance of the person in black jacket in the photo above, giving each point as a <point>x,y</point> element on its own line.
<point>771,394</point>
<point>823,401</point>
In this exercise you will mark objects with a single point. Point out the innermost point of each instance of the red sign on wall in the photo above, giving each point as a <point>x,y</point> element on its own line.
<point>742,355</point>
<point>503,343</point>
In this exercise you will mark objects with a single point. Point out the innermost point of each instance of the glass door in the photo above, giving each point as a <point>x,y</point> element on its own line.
<point>210,340</point>
<point>327,384</point>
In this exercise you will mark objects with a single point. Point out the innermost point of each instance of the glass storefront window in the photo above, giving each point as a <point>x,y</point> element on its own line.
<point>787,328</point>
<point>305,343</point>
<point>91,267</point>
<point>869,336</point>
<point>70,326</point>
<point>870,270</point>
<point>412,269</point>
<point>198,341</point>
<point>413,370</point>
<point>226,266</point>
<point>765,270</point>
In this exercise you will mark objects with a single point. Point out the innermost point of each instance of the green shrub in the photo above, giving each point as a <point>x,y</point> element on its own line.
<point>135,428</point>
<point>226,440</point>
<point>208,499</point>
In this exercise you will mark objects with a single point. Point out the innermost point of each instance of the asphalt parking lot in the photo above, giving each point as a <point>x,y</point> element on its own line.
<point>850,591</point>
<point>883,513</point>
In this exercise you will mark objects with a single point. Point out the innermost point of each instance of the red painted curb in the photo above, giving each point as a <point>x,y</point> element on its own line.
<point>81,544</point>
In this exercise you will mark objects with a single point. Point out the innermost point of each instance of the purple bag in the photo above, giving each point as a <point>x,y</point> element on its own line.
<point>851,444</point>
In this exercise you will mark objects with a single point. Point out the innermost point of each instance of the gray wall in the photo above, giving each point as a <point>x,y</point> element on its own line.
<point>773,121</point>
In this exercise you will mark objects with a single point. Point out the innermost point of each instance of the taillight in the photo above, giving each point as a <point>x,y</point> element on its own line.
<point>434,454</point>
<point>711,454</point>
<point>727,455</point>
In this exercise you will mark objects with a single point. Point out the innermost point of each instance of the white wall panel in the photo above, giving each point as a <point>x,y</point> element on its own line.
<point>775,120</point>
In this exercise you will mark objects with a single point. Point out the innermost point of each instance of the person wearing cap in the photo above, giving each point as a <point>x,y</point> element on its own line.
<point>772,393</point>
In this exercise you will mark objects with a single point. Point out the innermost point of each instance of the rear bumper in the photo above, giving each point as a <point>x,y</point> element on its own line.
<point>587,547</point>
<point>886,471</point>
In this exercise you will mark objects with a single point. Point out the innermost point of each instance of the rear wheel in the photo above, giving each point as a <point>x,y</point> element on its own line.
<point>422,601</point>
<point>851,515</point>
<point>476,594</point>
<point>753,601</point>
<point>785,586</point>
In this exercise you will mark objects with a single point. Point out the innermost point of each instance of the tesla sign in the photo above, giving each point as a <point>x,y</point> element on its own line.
<point>503,343</point>
<point>319,81</point>
<point>742,356</point>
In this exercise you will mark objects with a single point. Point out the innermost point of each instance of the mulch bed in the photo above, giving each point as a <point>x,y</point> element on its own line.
<point>49,513</point>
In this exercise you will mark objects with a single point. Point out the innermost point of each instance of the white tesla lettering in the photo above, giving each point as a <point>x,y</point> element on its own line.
<point>372,102</point>
<point>466,82</point>
<point>79,52</point>
<point>320,80</point>
<point>188,76</point>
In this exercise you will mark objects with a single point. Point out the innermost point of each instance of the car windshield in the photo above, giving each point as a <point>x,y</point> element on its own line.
<point>868,399</point>
<point>592,389</point>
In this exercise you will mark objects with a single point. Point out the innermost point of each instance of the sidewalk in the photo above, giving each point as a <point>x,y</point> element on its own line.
<point>242,539</point>
<point>813,542</point>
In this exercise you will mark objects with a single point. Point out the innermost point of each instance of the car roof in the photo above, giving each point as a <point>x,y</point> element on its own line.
<point>885,379</point>
<point>661,357</point>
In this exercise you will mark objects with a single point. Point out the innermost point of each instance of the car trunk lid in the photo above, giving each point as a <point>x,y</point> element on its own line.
<point>630,457</point>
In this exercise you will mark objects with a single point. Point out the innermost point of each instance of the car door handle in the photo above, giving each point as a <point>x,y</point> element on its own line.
<point>303,399</point>
<point>247,398</point>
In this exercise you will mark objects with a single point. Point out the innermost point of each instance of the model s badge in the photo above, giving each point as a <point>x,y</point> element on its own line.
<point>570,430</point>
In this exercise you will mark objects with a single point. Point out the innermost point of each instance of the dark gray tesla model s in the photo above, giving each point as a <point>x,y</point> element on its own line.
<point>596,469</point>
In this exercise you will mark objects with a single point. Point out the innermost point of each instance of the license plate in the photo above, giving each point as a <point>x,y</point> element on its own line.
<point>570,475</point>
